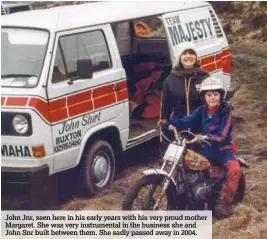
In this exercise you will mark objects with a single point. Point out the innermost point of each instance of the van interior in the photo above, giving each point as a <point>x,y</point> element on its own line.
<point>145,57</point>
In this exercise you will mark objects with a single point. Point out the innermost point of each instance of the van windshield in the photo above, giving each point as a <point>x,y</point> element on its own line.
<point>22,56</point>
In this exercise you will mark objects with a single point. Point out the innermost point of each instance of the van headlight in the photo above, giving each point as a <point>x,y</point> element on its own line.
<point>20,124</point>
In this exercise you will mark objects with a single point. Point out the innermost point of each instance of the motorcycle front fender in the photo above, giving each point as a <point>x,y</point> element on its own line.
<point>158,172</point>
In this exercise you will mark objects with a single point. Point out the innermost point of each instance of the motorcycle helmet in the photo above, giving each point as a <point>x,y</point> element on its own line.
<point>212,84</point>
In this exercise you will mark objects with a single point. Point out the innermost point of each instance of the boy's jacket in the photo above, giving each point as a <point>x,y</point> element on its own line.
<point>218,127</point>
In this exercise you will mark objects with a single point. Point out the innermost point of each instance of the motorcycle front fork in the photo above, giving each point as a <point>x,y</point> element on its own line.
<point>180,175</point>
<point>161,194</point>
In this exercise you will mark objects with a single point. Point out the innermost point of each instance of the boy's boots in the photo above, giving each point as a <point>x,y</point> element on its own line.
<point>223,210</point>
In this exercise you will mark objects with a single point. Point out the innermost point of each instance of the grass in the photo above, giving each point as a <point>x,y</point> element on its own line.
<point>250,219</point>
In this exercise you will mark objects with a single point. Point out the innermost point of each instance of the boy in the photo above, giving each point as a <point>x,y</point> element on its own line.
<point>211,120</point>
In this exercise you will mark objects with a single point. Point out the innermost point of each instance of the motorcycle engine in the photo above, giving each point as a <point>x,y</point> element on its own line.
<point>197,184</point>
<point>193,177</point>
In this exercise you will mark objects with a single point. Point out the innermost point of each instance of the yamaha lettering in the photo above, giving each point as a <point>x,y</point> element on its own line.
<point>15,151</point>
<point>189,31</point>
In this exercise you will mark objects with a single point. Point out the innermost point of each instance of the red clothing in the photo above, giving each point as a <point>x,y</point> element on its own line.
<point>151,98</point>
<point>229,188</point>
<point>212,109</point>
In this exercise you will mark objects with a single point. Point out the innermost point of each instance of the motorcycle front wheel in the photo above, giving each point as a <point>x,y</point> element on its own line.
<point>143,195</point>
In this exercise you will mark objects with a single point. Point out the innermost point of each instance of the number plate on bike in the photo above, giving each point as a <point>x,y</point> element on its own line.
<point>173,152</point>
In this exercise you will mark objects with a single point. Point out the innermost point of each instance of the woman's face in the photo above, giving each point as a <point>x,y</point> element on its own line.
<point>188,59</point>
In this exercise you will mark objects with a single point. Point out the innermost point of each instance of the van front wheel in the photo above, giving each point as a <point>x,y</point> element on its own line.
<point>98,167</point>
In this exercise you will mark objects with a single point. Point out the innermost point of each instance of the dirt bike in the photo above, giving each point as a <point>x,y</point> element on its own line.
<point>185,181</point>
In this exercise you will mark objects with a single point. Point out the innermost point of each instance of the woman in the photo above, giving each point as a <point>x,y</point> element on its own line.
<point>180,95</point>
<point>180,90</point>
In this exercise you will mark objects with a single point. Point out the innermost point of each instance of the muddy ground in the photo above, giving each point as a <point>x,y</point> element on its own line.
<point>249,72</point>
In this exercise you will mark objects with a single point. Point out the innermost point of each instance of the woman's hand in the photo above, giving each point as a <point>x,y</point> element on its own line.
<point>162,122</point>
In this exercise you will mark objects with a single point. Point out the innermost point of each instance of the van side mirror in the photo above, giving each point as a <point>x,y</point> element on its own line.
<point>85,68</point>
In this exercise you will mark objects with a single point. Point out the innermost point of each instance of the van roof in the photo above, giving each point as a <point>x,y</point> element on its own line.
<point>95,13</point>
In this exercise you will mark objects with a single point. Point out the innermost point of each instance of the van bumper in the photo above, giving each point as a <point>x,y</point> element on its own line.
<point>29,188</point>
<point>24,175</point>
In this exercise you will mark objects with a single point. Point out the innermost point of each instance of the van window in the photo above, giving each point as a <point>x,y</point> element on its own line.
<point>22,56</point>
<point>59,73</point>
<point>87,45</point>
<point>149,27</point>
<point>21,8</point>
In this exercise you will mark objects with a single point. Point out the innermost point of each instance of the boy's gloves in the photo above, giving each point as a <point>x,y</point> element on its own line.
<point>227,106</point>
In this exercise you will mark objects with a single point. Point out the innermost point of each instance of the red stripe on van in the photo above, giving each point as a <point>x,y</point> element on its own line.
<point>226,63</point>
<point>103,96</point>
<point>210,67</point>
<point>3,99</point>
<point>207,60</point>
<point>78,98</point>
<point>79,103</point>
<point>218,56</point>
<point>222,60</point>
<point>226,51</point>
<point>17,101</point>
<point>123,93</point>
<point>80,108</point>
<point>52,112</point>
<point>219,64</point>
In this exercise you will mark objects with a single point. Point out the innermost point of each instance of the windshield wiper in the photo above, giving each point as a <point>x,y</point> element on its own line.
<point>17,75</point>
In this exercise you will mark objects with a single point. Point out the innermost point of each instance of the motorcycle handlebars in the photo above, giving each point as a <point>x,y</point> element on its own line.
<point>195,139</point>
<point>198,137</point>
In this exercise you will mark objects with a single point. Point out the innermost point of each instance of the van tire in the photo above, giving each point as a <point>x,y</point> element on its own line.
<point>98,167</point>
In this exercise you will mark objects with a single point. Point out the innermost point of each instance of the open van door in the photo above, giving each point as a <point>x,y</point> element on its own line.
<point>200,26</point>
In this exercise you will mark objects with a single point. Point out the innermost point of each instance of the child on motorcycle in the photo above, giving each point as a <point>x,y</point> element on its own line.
<point>216,124</point>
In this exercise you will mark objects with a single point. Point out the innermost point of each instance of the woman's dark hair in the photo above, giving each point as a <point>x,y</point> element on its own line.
<point>190,51</point>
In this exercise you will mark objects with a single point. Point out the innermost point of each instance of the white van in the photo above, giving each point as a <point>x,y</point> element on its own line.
<point>66,78</point>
